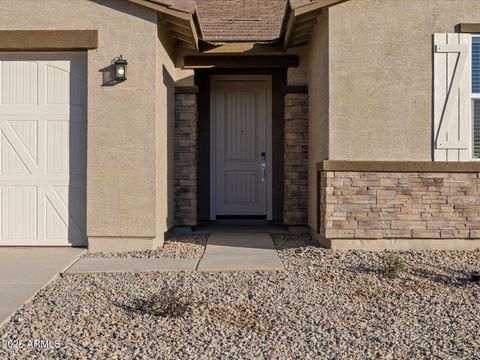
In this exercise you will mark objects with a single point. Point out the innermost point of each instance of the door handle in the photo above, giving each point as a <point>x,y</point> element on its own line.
<point>264,168</point>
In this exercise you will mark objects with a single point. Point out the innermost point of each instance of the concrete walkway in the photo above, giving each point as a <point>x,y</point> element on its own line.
<point>240,252</point>
<point>225,251</point>
<point>24,271</point>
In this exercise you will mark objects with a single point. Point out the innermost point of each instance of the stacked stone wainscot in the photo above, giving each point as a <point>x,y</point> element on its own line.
<point>404,205</point>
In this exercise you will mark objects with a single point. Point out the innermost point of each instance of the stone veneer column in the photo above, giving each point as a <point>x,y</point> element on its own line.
<point>185,156</point>
<point>295,204</point>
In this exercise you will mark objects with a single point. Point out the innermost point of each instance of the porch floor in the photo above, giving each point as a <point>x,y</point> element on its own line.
<point>240,227</point>
<point>234,251</point>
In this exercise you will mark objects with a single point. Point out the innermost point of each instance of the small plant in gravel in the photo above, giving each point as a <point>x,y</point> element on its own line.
<point>167,303</point>
<point>394,266</point>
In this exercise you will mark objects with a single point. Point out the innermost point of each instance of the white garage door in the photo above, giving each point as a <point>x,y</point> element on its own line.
<point>42,148</point>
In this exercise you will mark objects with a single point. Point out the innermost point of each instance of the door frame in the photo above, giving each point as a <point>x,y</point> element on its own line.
<point>213,139</point>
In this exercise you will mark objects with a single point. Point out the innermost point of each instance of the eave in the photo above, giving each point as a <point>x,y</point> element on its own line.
<point>181,27</point>
<point>179,24</point>
<point>302,21</point>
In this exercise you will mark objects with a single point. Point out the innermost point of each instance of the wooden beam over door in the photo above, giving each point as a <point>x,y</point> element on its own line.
<point>275,61</point>
<point>48,40</point>
<point>469,28</point>
<point>233,48</point>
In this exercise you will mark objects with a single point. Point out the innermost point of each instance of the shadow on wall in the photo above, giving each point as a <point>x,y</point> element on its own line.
<point>74,196</point>
<point>127,8</point>
<point>169,84</point>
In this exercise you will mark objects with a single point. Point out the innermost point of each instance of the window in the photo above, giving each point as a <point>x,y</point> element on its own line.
<point>456,97</point>
<point>476,95</point>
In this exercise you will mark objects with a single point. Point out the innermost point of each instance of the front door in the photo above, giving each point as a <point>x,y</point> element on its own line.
<point>241,146</point>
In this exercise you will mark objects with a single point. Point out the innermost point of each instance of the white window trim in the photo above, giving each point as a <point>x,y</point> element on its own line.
<point>473,96</point>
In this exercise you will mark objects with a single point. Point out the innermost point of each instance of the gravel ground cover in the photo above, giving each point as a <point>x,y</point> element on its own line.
<point>327,305</point>
<point>176,246</point>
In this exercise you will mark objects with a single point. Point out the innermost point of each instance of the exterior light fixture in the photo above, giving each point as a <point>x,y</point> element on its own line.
<point>120,68</point>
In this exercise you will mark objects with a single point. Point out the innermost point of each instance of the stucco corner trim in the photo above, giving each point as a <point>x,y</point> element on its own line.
<point>48,40</point>
<point>399,166</point>
<point>469,28</point>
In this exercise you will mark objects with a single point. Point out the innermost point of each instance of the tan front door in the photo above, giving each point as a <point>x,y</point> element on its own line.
<point>241,146</point>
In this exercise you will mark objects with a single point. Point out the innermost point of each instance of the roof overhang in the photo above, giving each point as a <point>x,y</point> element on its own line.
<point>181,27</point>
<point>302,20</point>
<point>179,23</point>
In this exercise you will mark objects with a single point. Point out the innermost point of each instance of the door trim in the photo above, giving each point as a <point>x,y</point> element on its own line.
<point>213,139</point>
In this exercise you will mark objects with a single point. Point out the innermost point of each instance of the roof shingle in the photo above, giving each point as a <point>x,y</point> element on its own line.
<point>238,20</point>
<point>241,20</point>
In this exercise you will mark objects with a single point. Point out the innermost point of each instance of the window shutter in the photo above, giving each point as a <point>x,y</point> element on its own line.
<point>452,102</point>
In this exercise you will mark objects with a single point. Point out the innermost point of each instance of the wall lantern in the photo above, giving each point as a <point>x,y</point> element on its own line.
<point>120,68</point>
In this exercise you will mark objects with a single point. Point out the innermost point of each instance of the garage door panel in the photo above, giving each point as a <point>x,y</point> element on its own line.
<point>11,161</point>
<point>61,211</point>
<point>63,87</point>
<point>65,147</point>
<point>19,150</point>
<point>43,149</point>
<point>19,212</point>
<point>19,82</point>
<point>68,202</point>
<point>57,85</point>
<point>27,133</point>
<point>57,147</point>
<point>56,226</point>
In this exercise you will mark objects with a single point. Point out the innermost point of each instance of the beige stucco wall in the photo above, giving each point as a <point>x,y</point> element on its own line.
<point>129,176</point>
<point>318,88</point>
<point>381,75</point>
